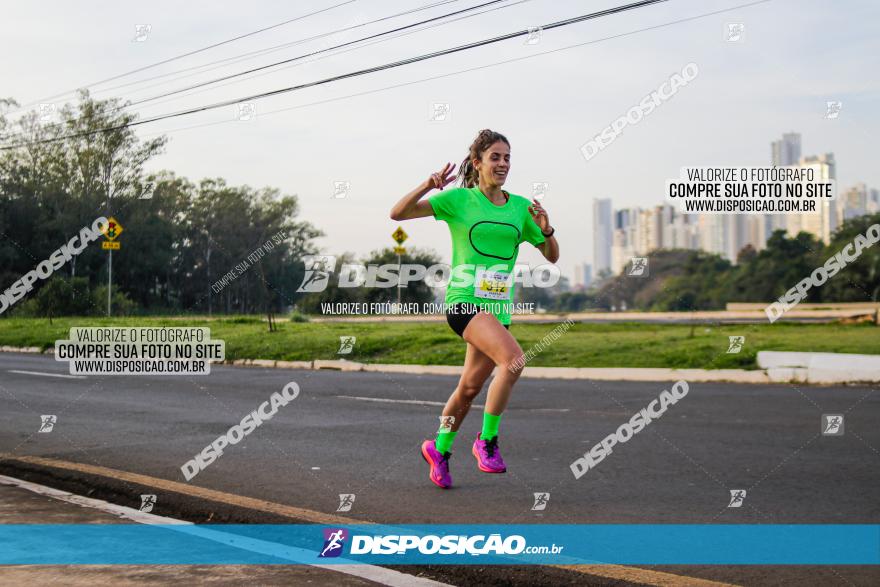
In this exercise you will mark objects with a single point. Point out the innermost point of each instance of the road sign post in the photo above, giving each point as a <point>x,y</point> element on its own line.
<point>111,232</point>
<point>399,237</point>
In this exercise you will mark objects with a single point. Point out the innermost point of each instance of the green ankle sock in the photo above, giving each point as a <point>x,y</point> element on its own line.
<point>444,441</point>
<point>490,426</point>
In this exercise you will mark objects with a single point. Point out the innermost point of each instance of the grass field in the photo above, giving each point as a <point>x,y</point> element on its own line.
<point>583,345</point>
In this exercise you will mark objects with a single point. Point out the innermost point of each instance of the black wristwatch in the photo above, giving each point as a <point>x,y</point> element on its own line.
<point>552,230</point>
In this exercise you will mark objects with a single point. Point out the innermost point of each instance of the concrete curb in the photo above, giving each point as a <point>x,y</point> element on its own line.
<point>600,374</point>
<point>776,367</point>
<point>21,349</point>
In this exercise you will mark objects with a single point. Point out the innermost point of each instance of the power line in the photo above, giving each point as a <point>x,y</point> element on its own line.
<point>375,42</point>
<point>246,56</point>
<point>122,107</point>
<point>470,69</point>
<point>386,66</point>
<point>190,53</point>
<point>292,59</point>
<point>430,26</point>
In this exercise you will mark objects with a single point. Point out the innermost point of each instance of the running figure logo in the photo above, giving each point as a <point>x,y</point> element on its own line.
<point>540,189</point>
<point>832,109</point>
<point>541,500</point>
<point>47,423</point>
<point>736,344</point>
<point>317,276</point>
<point>141,32</point>
<point>446,423</point>
<point>147,193</point>
<point>47,111</point>
<point>334,539</point>
<point>341,189</point>
<point>346,345</point>
<point>147,503</point>
<point>735,32</point>
<point>639,267</point>
<point>439,111</point>
<point>534,35</point>
<point>832,424</point>
<point>737,496</point>
<point>246,111</point>
<point>346,500</point>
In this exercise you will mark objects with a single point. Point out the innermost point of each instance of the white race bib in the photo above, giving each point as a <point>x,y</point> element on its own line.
<point>492,285</point>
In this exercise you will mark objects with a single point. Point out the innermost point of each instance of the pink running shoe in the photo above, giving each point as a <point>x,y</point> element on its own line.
<point>439,464</point>
<point>488,458</point>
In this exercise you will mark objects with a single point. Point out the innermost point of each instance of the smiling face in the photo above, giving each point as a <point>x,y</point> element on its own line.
<point>495,164</point>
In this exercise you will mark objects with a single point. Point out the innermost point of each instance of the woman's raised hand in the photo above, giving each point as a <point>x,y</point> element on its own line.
<point>539,215</point>
<point>442,178</point>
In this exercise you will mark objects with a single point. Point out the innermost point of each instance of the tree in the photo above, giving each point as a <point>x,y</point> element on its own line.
<point>859,281</point>
<point>414,291</point>
<point>178,241</point>
<point>773,271</point>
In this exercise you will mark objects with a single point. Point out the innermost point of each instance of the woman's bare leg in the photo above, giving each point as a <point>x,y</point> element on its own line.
<point>477,368</point>
<point>489,336</point>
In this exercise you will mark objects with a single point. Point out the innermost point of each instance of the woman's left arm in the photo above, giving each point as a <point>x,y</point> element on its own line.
<point>549,248</point>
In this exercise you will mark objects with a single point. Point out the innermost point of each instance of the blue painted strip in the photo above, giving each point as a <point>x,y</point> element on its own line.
<point>646,544</point>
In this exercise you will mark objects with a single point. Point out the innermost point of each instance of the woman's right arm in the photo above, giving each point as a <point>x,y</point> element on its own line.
<point>409,205</point>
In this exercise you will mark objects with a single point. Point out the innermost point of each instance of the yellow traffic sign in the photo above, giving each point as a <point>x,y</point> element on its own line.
<point>111,246</point>
<point>399,236</point>
<point>113,229</point>
<point>400,250</point>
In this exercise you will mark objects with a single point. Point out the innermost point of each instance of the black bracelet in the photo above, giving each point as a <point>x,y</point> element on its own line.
<point>552,230</point>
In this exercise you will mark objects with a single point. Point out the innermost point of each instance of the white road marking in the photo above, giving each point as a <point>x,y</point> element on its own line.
<point>549,409</point>
<point>430,403</point>
<point>369,572</point>
<point>399,401</point>
<point>46,374</point>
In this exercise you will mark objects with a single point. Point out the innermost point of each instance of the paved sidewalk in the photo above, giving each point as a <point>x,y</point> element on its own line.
<point>20,506</point>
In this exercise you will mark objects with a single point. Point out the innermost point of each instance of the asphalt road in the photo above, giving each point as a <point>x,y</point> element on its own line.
<point>762,438</point>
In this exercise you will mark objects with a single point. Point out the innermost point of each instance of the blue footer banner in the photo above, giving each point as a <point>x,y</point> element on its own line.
<point>497,544</point>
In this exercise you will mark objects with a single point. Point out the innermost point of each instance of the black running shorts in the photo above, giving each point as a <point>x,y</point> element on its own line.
<point>458,316</point>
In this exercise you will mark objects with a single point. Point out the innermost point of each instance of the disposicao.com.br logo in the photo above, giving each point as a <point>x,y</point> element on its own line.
<point>432,544</point>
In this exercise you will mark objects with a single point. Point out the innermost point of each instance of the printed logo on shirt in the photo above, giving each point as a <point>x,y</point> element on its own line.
<point>498,240</point>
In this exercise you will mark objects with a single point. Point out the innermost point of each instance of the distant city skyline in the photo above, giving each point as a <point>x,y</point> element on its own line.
<point>638,231</point>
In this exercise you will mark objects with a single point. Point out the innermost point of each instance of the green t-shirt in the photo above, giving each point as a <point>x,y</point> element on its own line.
<point>485,244</point>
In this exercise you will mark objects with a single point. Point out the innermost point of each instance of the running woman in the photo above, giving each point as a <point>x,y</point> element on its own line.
<point>487,225</point>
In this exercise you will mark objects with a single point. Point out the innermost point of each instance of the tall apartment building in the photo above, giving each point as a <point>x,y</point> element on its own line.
<point>583,275</point>
<point>823,222</point>
<point>856,201</point>
<point>603,229</point>
<point>783,153</point>
<point>787,150</point>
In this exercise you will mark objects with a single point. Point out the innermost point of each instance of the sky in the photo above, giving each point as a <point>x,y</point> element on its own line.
<point>548,97</point>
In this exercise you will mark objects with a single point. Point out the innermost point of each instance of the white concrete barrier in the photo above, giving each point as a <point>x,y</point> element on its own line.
<point>774,359</point>
<point>820,367</point>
